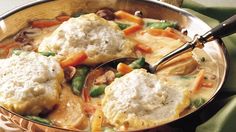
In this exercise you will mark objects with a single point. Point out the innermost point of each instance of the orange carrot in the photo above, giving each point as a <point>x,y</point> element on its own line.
<point>2,45</point>
<point>7,47</point>
<point>198,81</point>
<point>142,32</point>
<point>179,34</point>
<point>85,95</point>
<point>207,84</point>
<point>129,17</point>
<point>132,29</point>
<point>9,44</point>
<point>170,29</point>
<point>63,18</point>
<point>155,32</point>
<point>123,68</point>
<point>74,59</point>
<point>143,48</point>
<point>89,108</point>
<point>164,33</point>
<point>44,23</point>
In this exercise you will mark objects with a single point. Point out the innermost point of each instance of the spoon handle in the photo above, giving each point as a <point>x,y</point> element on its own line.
<point>225,28</point>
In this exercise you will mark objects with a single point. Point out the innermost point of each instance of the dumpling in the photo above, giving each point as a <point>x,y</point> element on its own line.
<point>30,83</point>
<point>102,40</point>
<point>139,100</point>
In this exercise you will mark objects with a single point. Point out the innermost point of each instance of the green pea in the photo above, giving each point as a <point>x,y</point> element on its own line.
<point>198,102</point>
<point>78,79</point>
<point>137,64</point>
<point>122,26</point>
<point>47,53</point>
<point>40,120</point>
<point>97,90</point>
<point>161,25</point>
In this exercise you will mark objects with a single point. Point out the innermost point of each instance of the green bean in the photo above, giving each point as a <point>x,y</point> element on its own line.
<point>47,53</point>
<point>97,90</point>
<point>161,25</point>
<point>122,26</point>
<point>77,84</point>
<point>79,78</point>
<point>82,70</point>
<point>198,102</point>
<point>40,120</point>
<point>137,64</point>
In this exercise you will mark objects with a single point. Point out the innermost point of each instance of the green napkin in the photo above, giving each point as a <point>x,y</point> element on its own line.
<point>224,119</point>
<point>226,8</point>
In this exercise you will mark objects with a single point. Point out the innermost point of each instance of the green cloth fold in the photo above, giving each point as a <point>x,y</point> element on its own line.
<point>223,120</point>
<point>212,11</point>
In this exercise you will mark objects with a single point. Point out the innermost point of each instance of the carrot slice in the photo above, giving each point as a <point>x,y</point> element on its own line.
<point>207,84</point>
<point>123,68</point>
<point>198,81</point>
<point>44,23</point>
<point>164,33</point>
<point>89,108</point>
<point>74,59</point>
<point>63,18</point>
<point>11,45</point>
<point>85,95</point>
<point>132,29</point>
<point>7,47</point>
<point>129,17</point>
<point>179,34</point>
<point>155,32</point>
<point>170,29</point>
<point>143,48</point>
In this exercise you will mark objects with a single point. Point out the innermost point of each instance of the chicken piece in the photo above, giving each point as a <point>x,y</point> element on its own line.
<point>69,112</point>
<point>182,65</point>
<point>106,78</point>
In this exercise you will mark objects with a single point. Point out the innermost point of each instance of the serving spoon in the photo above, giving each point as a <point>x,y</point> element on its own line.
<point>225,28</point>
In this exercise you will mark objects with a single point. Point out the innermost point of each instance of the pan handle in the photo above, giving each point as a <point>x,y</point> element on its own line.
<point>225,28</point>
